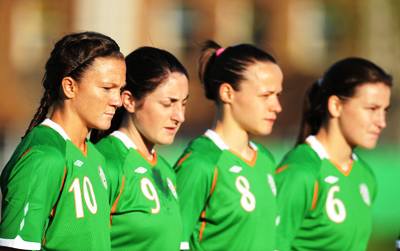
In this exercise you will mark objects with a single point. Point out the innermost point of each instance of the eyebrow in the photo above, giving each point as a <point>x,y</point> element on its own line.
<point>268,92</point>
<point>174,99</point>
<point>113,84</point>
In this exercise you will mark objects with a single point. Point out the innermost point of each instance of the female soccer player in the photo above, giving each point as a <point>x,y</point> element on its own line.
<point>54,189</point>
<point>225,182</point>
<point>145,211</point>
<point>325,191</point>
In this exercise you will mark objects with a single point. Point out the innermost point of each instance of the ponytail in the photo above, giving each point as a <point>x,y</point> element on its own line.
<point>41,112</point>
<point>314,109</point>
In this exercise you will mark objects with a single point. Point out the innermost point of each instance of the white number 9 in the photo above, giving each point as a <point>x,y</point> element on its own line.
<point>150,193</point>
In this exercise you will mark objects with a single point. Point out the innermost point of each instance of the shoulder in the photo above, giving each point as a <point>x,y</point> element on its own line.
<point>108,145</point>
<point>43,138</point>
<point>264,151</point>
<point>201,154</point>
<point>40,160</point>
<point>301,163</point>
<point>365,166</point>
<point>163,164</point>
<point>162,161</point>
<point>113,151</point>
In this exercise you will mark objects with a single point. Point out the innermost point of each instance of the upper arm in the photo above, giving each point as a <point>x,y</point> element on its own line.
<point>296,196</point>
<point>30,193</point>
<point>194,179</point>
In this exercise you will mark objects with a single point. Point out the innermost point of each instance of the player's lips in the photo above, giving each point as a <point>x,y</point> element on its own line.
<point>271,120</point>
<point>111,114</point>
<point>375,134</point>
<point>171,129</point>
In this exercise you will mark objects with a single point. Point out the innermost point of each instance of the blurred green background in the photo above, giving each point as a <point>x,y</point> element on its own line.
<point>306,36</point>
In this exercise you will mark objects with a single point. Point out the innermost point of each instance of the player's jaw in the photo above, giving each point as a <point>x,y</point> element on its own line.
<point>169,133</point>
<point>370,139</point>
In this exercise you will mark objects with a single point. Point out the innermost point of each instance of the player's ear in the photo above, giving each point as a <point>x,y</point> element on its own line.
<point>69,87</point>
<point>334,106</point>
<point>226,93</point>
<point>128,101</point>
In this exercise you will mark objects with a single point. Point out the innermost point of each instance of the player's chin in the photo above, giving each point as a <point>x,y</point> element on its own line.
<point>166,140</point>
<point>263,131</point>
<point>102,125</point>
<point>368,144</point>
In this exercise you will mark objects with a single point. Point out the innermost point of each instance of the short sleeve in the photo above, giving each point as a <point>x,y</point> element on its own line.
<point>30,193</point>
<point>295,186</point>
<point>194,178</point>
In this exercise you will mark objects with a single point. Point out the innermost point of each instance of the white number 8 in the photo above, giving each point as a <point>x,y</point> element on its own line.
<point>248,201</point>
<point>334,207</point>
<point>150,192</point>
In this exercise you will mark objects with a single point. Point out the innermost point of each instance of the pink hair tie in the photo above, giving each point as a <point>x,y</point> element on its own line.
<point>219,51</point>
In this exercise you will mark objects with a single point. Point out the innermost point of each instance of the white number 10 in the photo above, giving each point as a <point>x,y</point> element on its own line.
<point>88,195</point>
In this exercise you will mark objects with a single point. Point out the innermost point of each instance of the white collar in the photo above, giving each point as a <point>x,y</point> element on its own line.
<point>319,148</point>
<point>214,137</point>
<point>124,139</point>
<point>56,127</point>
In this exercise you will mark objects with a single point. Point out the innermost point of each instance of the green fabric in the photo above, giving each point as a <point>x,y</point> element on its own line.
<point>341,218</point>
<point>240,212</point>
<point>33,183</point>
<point>140,222</point>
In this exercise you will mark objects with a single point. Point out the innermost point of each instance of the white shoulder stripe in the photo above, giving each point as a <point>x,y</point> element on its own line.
<point>124,138</point>
<point>216,139</point>
<point>56,127</point>
<point>184,245</point>
<point>19,243</point>
<point>253,146</point>
<point>317,147</point>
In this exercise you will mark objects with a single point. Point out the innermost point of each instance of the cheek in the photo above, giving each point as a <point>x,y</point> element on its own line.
<point>248,105</point>
<point>150,117</point>
<point>354,124</point>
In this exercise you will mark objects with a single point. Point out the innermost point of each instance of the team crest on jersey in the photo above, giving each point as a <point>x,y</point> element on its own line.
<point>235,169</point>
<point>103,177</point>
<point>277,220</point>
<point>140,170</point>
<point>365,194</point>
<point>272,184</point>
<point>172,188</point>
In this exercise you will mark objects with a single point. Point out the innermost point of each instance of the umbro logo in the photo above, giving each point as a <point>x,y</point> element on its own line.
<point>140,170</point>
<point>235,169</point>
<point>331,179</point>
<point>78,163</point>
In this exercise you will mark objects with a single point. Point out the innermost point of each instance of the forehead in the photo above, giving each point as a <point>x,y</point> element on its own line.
<point>373,92</point>
<point>176,84</point>
<point>264,74</point>
<point>106,64</point>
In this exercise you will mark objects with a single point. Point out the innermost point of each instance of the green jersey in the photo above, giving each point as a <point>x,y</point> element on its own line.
<point>227,203</point>
<point>322,206</point>
<point>145,211</point>
<point>54,197</point>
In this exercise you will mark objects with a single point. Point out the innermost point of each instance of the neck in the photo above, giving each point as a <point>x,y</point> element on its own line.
<point>336,145</point>
<point>75,130</point>
<point>234,136</point>
<point>143,145</point>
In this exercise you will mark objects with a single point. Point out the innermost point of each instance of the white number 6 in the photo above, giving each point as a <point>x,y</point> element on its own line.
<point>334,207</point>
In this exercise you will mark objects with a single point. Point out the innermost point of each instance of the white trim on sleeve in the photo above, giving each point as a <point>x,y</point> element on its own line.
<point>184,245</point>
<point>19,243</point>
